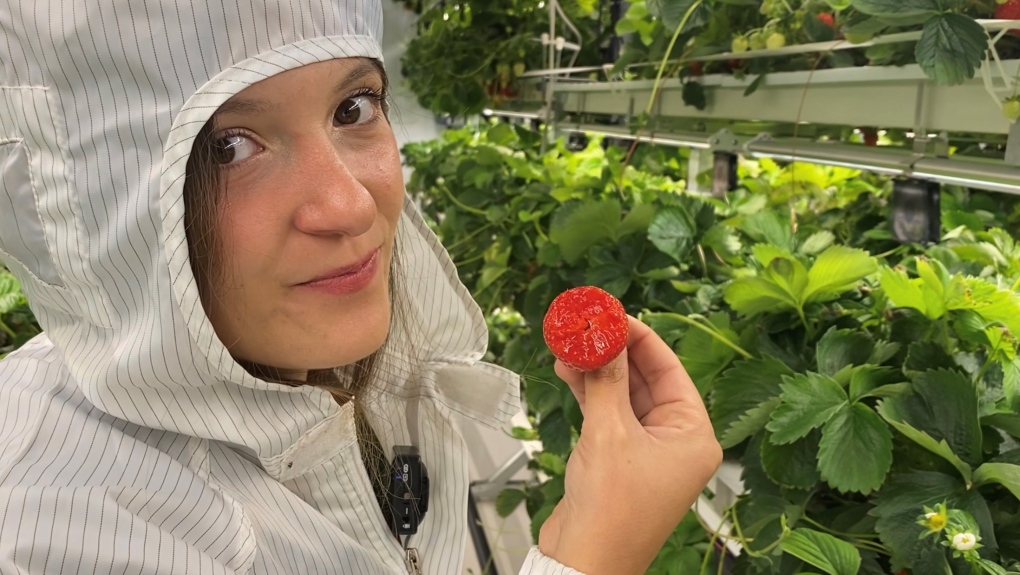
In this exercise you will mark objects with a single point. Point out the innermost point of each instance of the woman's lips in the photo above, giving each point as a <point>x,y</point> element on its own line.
<point>346,280</point>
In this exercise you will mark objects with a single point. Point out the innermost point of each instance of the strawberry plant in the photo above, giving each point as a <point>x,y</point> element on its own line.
<point>466,57</point>
<point>870,390</point>
<point>17,324</point>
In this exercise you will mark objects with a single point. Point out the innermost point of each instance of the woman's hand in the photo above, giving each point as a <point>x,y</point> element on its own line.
<point>646,451</point>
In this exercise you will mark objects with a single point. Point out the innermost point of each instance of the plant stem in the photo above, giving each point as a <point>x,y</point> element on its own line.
<point>765,551</point>
<point>981,372</point>
<point>7,330</point>
<point>711,545</point>
<point>461,204</point>
<point>467,238</point>
<point>712,332</point>
<point>818,525</point>
<point>538,229</point>
<point>470,260</point>
<point>669,50</point>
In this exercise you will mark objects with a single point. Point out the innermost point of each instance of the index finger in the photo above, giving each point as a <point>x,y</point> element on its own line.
<point>665,376</point>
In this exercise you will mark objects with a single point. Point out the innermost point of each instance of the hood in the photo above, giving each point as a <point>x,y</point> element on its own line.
<point>100,102</point>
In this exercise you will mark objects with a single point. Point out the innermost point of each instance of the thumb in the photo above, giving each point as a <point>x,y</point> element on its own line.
<point>607,391</point>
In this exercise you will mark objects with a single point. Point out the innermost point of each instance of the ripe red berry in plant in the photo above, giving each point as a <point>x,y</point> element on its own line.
<point>827,19</point>
<point>585,328</point>
<point>1009,11</point>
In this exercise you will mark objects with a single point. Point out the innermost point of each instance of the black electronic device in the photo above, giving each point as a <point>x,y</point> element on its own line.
<point>409,490</point>
<point>915,214</point>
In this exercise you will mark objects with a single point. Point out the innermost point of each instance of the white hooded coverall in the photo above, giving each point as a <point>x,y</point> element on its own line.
<point>130,441</point>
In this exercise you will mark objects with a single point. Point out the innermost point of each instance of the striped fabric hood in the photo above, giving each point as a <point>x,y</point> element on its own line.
<point>100,102</point>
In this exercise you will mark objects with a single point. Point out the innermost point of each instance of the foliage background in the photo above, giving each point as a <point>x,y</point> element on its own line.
<point>857,380</point>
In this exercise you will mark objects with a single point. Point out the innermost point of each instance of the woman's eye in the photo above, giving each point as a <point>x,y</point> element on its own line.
<point>232,149</point>
<point>354,111</point>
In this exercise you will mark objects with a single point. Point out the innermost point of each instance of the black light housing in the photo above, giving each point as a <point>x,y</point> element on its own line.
<point>916,215</point>
<point>724,173</point>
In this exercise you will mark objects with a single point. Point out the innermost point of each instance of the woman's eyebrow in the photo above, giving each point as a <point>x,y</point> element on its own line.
<point>254,106</point>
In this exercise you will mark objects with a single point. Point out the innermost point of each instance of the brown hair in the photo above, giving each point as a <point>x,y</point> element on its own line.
<point>203,192</point>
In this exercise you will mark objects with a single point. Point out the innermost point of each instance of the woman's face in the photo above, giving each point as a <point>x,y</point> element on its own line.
<point>313,193</point>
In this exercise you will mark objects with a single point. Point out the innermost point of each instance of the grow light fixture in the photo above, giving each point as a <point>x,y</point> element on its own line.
<point>724,173</point>
<point>915,216</point>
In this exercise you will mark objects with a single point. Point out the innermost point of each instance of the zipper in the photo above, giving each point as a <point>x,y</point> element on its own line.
<point>412,561</point>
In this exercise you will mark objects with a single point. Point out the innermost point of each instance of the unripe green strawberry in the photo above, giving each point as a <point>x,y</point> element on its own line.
<point>740,44</point>
<point>519,69</point>
<point>757,41</point>
<point>775,41</point>
<point>1011,108</point>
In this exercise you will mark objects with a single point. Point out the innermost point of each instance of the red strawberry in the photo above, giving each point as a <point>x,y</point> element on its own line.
<point>585,328</point>
<point>870,136</point>
<point>696,68</point>
<point>1009,11</point>
<point>827,19</point>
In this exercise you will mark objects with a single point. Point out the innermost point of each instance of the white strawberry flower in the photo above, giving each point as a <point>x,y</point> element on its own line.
<point>964,541</point>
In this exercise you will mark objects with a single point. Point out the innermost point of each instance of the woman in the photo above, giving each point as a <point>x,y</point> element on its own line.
<point>244,316</point>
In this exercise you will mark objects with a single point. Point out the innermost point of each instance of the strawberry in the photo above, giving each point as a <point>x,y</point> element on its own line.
<point>696,68</point>
<point>827,19</point>
<point>1009,10</point>
<point>870,136</point>
<point>739,44</point>
<point>585,328</point>
<point>1011,108</point>
<point>777,40</point>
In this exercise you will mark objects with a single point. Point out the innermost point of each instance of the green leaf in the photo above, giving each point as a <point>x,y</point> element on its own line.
<point>901,501</point>
<point>613,276</point>
<point>836,270</point>
<point>817,242</point>
<point>705,356</point>
<point>925,355</point>
<point>891,390</point>
<point>637,220</point>
<point>855,452</point>
<point>767,227</point>
<point>554,429</point>
<point>539,518</point>
<point>809,400</point>
<point>951,48</point>
<point>790,275</point>
<point>577,227</point>
<point>753,295</point>
<point>693,95</point>
<point>672,13</point>
<point>10,293</point>
<point>876,381</point>
<point>749,423</point>
<point>765,253</point>
<point>897,7</point>
<point>839,348</point>
<point>902,291</point>
<point>508,500</point>
<point>742,388</point>
<point>832,555</point>
<point>1008,422</point>
<point>1005,474</point>
<point>724,242</point>
<point>674,231</point>
<point>866,29</point>
<point>949,410</point>
<point>890,411</point>
<point>793,465</point>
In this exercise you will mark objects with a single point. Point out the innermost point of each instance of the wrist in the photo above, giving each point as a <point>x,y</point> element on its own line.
<point>605,552</point>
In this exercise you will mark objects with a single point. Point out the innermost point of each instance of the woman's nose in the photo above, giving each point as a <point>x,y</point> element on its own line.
<point>334,199</point>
